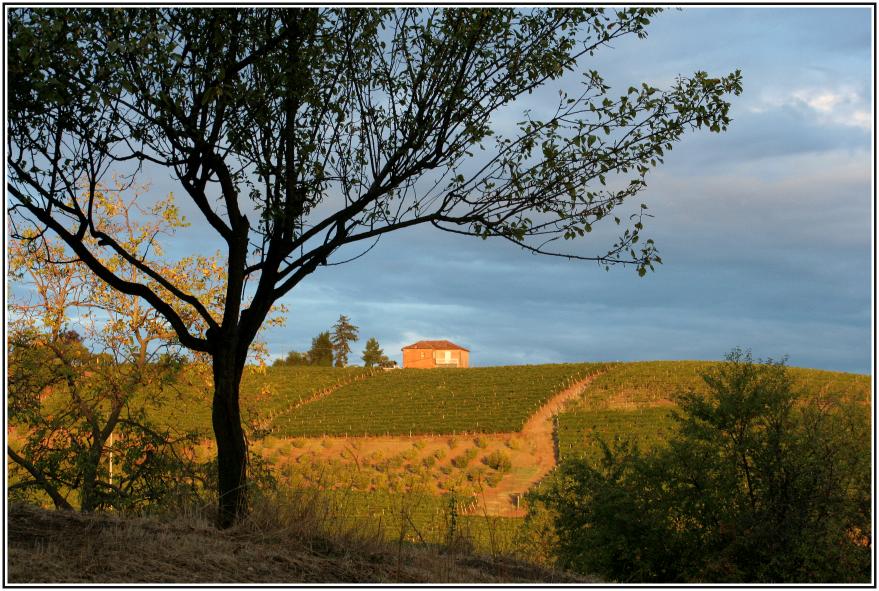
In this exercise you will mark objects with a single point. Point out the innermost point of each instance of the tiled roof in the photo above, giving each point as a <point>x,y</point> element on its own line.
<point>442,345</point>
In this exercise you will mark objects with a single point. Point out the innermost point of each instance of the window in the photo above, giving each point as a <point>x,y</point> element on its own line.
<point>444,358</point>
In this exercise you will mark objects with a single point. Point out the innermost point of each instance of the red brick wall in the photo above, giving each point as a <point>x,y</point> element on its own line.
<point>425,358</point>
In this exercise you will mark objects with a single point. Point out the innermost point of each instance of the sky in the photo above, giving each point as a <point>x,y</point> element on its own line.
<point>765,230</point>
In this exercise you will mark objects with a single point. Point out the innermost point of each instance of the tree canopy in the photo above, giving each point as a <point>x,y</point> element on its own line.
<point>302,136</point>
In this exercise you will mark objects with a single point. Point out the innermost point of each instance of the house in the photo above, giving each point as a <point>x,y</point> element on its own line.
<point>428,354</point>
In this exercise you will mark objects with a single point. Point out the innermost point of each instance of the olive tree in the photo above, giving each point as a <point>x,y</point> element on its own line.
<point>302,134</point>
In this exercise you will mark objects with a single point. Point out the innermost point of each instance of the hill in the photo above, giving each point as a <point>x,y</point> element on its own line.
<point>438,430</point>
<point>62,547</point>
<point>434,402</point>
<point>634,400</point>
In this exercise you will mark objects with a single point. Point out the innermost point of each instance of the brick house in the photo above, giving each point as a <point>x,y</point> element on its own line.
<point>430,354</point>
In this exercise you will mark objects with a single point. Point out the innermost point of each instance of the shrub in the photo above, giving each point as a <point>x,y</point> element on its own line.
<point>498,460</point>
<point>464,459</point>
<point>756,484</point>
<point>493,479</point>
<point>481,442</point>
<point>476,474</point>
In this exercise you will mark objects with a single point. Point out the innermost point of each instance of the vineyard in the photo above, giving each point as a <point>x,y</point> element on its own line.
<point>578,432</point>
<point>186,405</point>
<point>424,402</point>
<point>634,400</point>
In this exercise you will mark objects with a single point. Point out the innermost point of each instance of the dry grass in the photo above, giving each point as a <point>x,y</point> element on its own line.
<point>278,543</point>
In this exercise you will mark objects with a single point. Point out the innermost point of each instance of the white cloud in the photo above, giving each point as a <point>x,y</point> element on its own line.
<point>836,106</point>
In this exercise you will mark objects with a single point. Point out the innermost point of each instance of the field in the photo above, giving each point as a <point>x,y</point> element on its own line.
<point>633,401</point>
<point>578,431</point>
<point>424,402</point>
<point>389,449</point>
<point>186,405</point>
<point>314,406</point>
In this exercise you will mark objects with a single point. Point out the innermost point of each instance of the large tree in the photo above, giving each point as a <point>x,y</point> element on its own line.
<point>373,356</point>
<point>299,134</point>
<point>344,333</point>
<point>321,352</point>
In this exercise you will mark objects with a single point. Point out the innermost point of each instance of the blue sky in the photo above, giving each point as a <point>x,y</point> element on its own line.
<point>765,230</point>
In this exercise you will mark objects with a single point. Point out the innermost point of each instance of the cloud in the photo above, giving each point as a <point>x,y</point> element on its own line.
<point>829,106</point>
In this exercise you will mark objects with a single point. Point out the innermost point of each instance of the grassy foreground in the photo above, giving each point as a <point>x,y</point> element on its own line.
<point>273,546</point>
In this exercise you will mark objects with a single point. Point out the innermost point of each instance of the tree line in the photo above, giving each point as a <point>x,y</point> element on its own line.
<point>332,347</point>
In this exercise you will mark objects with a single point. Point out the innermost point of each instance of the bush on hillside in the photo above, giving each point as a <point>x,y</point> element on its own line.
<point>498,460</point>
<point>757,484</point>
<point>465,458</point>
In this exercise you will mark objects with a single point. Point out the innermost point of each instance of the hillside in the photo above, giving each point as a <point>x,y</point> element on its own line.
<point>61,547</point>
<point>480,439</point>
<point>434,402</point>
<point>634,400</point>
<point>436,431</point>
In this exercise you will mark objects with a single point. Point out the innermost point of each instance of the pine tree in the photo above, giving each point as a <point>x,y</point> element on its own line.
<point>344,333</point>
<point>321,352</point>
<point>373,355</point>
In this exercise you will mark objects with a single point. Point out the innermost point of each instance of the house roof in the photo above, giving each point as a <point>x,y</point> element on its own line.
<point>441,345</point>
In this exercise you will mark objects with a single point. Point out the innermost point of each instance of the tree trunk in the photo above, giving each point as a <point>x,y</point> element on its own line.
<point>231,444</point>
<point>88,494</point>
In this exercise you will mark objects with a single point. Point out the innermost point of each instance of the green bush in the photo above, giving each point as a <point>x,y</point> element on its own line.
<point>498,460</point>
<point>758,483</point>
<point>465,458</point>
<point>493,479</point>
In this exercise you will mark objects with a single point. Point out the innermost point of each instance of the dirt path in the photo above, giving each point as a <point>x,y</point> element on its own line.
<point>538,432</point>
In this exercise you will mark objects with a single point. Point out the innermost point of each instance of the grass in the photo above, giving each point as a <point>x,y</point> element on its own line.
<point>297,539</point>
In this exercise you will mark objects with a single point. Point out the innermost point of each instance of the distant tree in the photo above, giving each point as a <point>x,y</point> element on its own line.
<point>760,483</point>
<point>261,114</point>
<point>344,333</point>
<point>321,352</point>
<point>293,358</point>
<point>373,356</point>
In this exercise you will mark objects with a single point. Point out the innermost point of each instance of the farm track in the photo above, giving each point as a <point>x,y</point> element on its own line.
<point>538,431</point>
